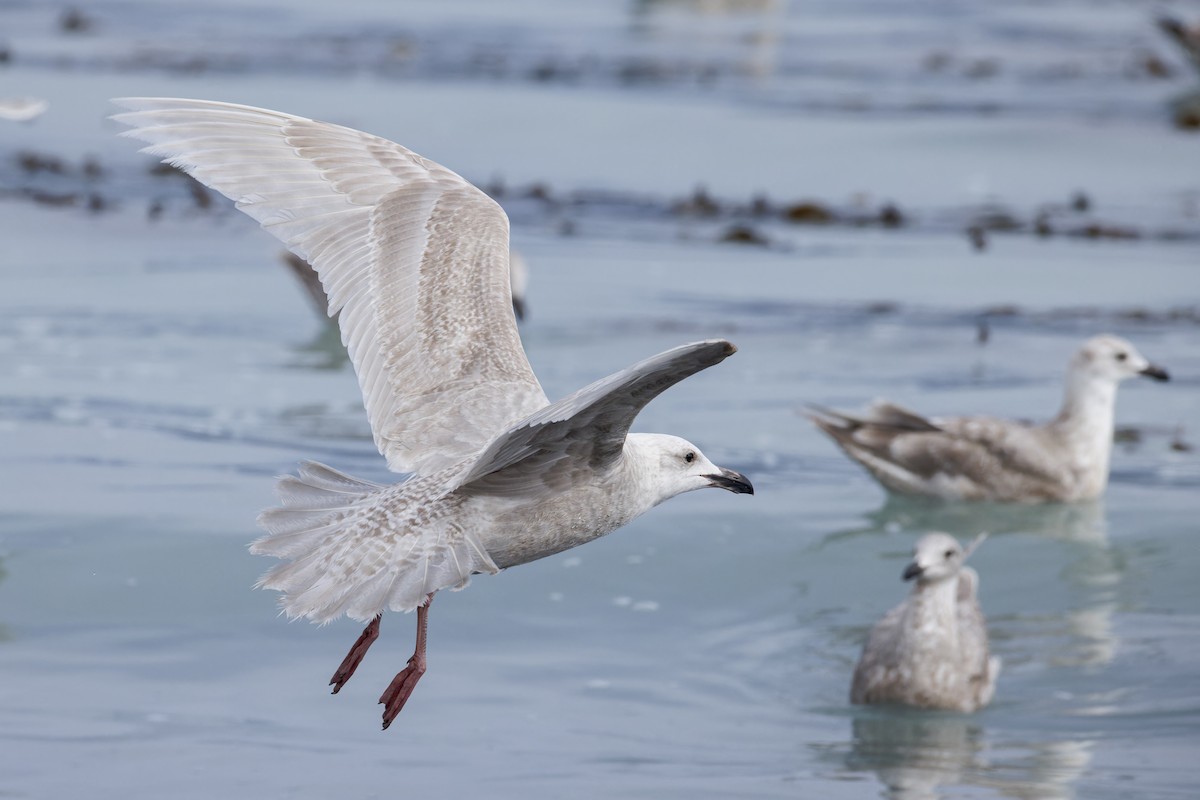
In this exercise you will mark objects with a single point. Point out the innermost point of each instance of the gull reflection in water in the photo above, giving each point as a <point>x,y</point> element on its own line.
<point>924,755</point>
<point>1076,522</point>
<point>915,754</point>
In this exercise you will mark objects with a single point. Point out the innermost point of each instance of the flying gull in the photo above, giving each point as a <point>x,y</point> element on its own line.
<point>931,651</point>
<point>415,260</point>
<point>983,458</point>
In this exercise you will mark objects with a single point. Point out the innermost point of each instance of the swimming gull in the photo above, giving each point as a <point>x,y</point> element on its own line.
<point>22,109</point>
<point>984,458</point>
<point>931,651</point>
<point>415,261</point>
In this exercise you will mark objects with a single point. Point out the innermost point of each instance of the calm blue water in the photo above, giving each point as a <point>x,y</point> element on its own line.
<point>159,373</point>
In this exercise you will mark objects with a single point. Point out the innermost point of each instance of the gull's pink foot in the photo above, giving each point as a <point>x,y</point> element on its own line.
<point>398,691</point>
<point>355,656</point>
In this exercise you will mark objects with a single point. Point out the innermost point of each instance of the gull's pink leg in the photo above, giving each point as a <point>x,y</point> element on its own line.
<point>398,691</point>
<point>355,656</point>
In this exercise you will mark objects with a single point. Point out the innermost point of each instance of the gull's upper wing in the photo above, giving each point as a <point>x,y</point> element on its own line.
<point>584,431</point>
<point>413,257</point>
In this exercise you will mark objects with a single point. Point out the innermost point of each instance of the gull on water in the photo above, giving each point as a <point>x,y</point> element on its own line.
<point>415,260</point>
<point>931,651</point>
<point>984,458</point>
<point>22,109</point>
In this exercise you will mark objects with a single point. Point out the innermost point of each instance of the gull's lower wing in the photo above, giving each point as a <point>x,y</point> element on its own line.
<point>413,257</point>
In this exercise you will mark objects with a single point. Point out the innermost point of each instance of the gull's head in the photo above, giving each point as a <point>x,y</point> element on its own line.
<point>675,466</point>
<point>936,557</point>
<point>1112,359</point>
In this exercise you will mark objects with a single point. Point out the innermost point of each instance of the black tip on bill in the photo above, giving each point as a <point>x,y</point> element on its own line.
<point>731,481</point>
<point>1155,372</point>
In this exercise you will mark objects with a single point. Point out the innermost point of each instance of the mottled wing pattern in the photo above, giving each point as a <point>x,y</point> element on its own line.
<point>1014,449</point>
<point>876,674</point>
<point>412,257</point>
<point>585,431</point>
<point>975,457</point>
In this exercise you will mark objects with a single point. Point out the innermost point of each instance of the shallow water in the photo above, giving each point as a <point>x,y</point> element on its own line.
<point>160,373</point>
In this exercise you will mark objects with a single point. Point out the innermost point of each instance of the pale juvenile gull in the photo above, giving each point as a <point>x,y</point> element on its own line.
<point>931,651</point>
<point>415,261</point>
<point>985,458</point>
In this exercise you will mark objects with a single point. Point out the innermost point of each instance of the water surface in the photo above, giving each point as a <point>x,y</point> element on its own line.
<point>160,372</point>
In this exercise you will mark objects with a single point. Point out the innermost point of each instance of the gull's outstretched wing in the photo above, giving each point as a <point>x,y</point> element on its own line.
<point>585,431</point>
<point>413,257</point>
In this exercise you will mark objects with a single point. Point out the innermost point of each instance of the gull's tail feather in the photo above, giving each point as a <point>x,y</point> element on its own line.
<point>318,487</point>
<point>304,530</point>
<point>349,548</point>
<point>313,502</point>
<point>881,414</point>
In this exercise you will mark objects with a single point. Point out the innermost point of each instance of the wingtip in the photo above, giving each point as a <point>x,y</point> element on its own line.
<point>812,410</point>
<point>724,347</point>
<point>824,417</point>
<point>128,105</point>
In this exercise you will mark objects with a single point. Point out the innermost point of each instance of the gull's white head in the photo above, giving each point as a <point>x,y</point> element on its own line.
<point>674,466</point>
<point>1112,359</point>
<point>936,557</point>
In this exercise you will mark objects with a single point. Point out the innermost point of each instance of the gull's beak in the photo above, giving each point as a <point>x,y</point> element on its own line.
<point>913,570</point>
<point>731,481</point>
<point>1156,372</point>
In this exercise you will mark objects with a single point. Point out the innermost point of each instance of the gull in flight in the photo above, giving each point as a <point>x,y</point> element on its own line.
<point>415,261</point>
<point>984,458</point>
<point>931,651</point>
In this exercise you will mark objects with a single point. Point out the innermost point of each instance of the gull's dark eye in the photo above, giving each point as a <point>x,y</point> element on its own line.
<point>689,456</point>
<point>949,554</point>
<point>1122,356</point>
